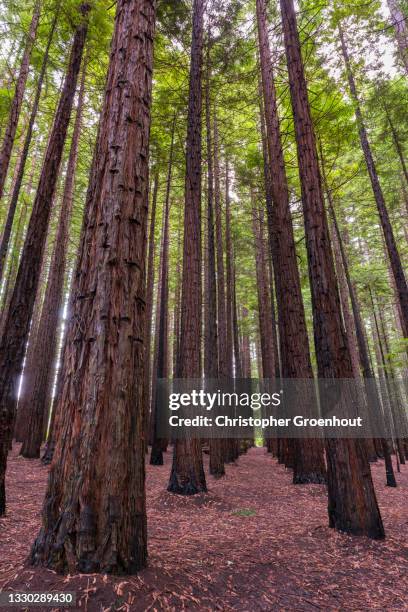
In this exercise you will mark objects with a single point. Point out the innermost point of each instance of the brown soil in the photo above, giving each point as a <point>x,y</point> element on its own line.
<point>254,542</point>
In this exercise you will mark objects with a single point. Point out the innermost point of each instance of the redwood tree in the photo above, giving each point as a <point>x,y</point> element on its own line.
<point>187,473</point>
<point>94,516</point>
<point>293,337</point>
<point>352,502</point>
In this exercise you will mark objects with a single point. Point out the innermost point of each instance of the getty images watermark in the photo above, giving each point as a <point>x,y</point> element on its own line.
<point>285,408</point>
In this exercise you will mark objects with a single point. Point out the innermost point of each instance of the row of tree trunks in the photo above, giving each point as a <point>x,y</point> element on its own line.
<point>5,239</point>
<point>352,505</point>
<point>393,253</point>
<point>294,344</point>
<point>38,396</point>
<point>17,323</point>
<point>11,128</point>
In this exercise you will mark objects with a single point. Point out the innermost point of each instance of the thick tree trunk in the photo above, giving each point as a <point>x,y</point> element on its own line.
<point>162,370</point>
<point>5,239</point>
<point>38,396</point>
<point>187,473</point>
<point>352,502</point>
<point>15,109</point>
<point>401,31</point>
<point>393,254</point>
<point>293,337</point>
<point>94,517</point>
<point>17,324</point>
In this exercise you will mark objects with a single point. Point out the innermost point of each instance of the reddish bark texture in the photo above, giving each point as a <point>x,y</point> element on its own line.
<point>94,510</point>
<point>38,396</point>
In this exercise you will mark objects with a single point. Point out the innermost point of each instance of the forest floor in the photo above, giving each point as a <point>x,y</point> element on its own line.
<point>254,542</point>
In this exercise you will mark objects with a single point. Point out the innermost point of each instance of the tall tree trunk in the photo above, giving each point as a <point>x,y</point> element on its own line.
<point>264,305</point>
<point>371,391</point>
<point>94,517</point>
<point>187,472</point>
<point>401,31</point>
<point>393,254</point>
<point>352,502</point>
<point>216,468</point>
<point>38,397</point>
<point>15,109</point>
<point>14,339</point>
<point>293,337</point>
<point>149,304</point>
<point>162,370</point>
<point>221,302</point>
<point>5,239</point>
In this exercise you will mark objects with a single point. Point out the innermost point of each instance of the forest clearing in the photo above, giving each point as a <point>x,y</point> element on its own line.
<point>204,304</point>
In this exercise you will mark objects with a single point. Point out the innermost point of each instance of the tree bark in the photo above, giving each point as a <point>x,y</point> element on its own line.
<point>294,343</point>
<point>94,517</point>
<point>392,250</point>
<point>38,396</point>
<point>5,239</point>
<point>187,473</point>
<point>352,502</point>
<point>17,323</point>
<point>15,109</point>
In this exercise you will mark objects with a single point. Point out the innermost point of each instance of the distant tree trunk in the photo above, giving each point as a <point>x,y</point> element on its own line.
<point>38,396</point>
<point>352,502</point>
<point>149,304</point>
<point>401,31</point>
<point>294,343</point>
<point>230,444</point>
<point>17,324</point>
<point>217,468</point>
<point>22,161</point>
<point>221,302</point>
<point>264,305</point>
<point>162,371</point>
<point>393,254</point>
<point>177,299</point>
<point>94,517</point>
<point>187,473</point>
<point>15,109</point>
<point>396,141</point>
